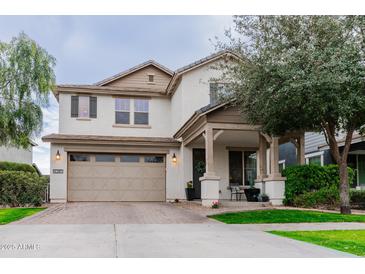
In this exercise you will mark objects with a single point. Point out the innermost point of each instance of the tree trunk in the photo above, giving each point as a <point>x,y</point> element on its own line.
<point>344,188</point>
<point>341,160</point>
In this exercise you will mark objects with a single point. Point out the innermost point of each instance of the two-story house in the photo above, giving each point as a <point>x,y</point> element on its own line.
<point>142,134</point>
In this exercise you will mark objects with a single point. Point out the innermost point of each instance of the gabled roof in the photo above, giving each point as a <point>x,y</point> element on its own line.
<point>133,69</point>
<point>211,58</point>
<point>101,88</point>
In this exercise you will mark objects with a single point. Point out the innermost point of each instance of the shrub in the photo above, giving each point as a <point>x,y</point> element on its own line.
<point>20,188</point>
<point>357,198</point>
<point>309,178</point>
<point>328,197</point>
<point>16,167</point>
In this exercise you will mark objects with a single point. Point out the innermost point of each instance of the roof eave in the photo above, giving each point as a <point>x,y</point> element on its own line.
<point>132,70</point>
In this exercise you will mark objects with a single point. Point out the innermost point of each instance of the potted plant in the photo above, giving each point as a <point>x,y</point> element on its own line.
<point>189,191</point>
<point>263,198</point>
<point>252,194</point>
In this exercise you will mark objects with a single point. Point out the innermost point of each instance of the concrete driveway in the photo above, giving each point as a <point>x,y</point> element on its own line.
<point>115,213</point>
<point>150,230</point>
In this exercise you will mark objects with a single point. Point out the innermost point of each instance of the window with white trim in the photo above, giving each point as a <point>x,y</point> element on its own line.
<point>122,111</point>
<point>281,165</point>
<point>141,108</point>
<point>215,91</point>
<point>315,158</point>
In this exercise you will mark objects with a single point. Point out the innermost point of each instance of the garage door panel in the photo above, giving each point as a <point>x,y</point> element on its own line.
<point>116,181</point>
<point>114,196</point>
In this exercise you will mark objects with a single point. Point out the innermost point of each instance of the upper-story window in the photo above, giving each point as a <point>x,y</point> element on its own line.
<point>215,91</point>
<point>131,111</point>
<point>141,111</point>
<point>122,111</point>
<point>84,106</point>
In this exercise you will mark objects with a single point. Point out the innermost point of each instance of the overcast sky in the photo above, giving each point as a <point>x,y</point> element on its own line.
<point>91,48</point>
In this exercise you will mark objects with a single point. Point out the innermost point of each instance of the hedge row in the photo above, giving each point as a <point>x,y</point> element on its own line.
<point>21,188</point>
<point>357,199</point>
<point>16,166</point>
<point>313,185</point>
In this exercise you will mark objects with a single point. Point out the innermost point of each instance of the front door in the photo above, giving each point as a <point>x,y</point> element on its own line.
<point>235,168</point>
<point>198,169</point>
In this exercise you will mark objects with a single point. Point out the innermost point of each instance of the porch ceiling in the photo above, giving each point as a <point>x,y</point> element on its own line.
<point>224,118</point>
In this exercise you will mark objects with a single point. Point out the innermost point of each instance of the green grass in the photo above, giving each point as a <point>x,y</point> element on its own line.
<point>270,216</point>
<point>8,215</point>
<point>351,241</point>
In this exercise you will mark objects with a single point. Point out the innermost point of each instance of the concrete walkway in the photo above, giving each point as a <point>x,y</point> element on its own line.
<point>155,240</point>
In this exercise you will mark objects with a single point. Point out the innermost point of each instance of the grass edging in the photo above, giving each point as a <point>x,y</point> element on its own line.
<point>272,216</point>
<point>8,215</point>
<point>350,241</point>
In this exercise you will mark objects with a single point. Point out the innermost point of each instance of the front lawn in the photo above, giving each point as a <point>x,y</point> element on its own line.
<point>8,215</point>
<point>351,241</point>
<point>270,216</point>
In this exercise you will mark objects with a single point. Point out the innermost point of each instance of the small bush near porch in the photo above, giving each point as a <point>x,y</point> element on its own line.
<point>284,216</point>
<point>8,215</point>
<point>351,241</point>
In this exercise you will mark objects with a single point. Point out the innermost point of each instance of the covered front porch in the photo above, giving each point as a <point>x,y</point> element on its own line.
<point>221,150</point>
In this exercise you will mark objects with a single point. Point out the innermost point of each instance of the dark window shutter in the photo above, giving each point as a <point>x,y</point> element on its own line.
<point>74,106</point>
<point>93,106</point>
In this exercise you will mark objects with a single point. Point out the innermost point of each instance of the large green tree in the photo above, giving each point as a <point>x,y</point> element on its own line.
<point>302,73</point>
<point>26,78</point>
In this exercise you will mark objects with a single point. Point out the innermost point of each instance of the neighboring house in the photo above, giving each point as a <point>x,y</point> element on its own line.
<point>317,152</point>
<point>320,154</point>
<point>142,134</point>
<point>17,155</point>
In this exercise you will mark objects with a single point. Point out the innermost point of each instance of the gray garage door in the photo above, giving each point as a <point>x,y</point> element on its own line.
<point>111,177</point>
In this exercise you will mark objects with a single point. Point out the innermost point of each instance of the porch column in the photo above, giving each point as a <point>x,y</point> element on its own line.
<point>301,150</point>
<point>275,183</point>
<point>274,158</point>
<point>209,181</point>
<point>209,153</point>
<point>261,161</point>
<point>261,171</point>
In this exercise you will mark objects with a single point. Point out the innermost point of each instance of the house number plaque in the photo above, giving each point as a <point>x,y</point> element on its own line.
<point>58,171</point>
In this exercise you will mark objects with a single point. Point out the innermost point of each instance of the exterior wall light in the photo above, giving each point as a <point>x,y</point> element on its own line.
<point>174,159</point>
<point>58,155</point>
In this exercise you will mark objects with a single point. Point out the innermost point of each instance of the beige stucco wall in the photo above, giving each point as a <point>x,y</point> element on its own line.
<point>17,155</point>
<point>159,119</point>
<point>192,94</point>
<point>58,182</point>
